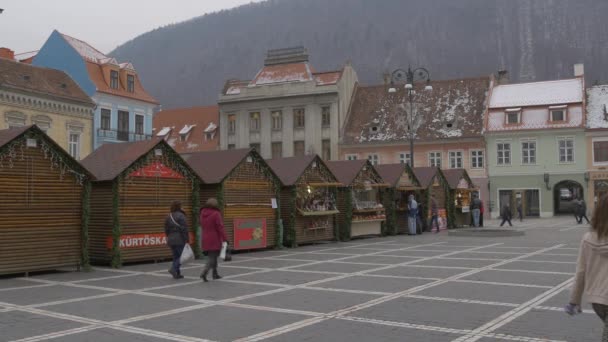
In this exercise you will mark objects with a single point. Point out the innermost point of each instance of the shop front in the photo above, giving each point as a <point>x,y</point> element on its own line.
<point>307,199</point>
<point>461,193</point>
<point>402,183</point>
<point>598,185</point>
<point>434,185</point>
<point>359,198</point>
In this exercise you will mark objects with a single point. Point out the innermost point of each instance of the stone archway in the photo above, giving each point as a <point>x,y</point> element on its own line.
<point>564,194</point>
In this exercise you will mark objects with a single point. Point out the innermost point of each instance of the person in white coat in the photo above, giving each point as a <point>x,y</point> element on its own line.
<point>412,207</point>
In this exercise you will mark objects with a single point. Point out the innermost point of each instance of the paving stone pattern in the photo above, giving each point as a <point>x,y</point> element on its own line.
<point>432,287</point>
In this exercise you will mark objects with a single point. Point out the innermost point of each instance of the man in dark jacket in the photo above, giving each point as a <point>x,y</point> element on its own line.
<point>476,210</point>
<point>434,213</point>
<point>506,215</point>
<point>582,214</point>
<point>176,231</point>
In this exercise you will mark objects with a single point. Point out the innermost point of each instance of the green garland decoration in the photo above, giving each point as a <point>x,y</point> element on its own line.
<point>220,197</point>
<point>196,225</point>
<point>336,225</point>
<point>86,209</point>
<point>389,226</point>
<point>290,236</point>
<point>428,206</point>
<point>348,214</point>
<point>116,258</point>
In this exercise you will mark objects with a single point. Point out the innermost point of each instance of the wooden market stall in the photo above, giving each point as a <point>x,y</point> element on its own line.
<point>246,189</point>
<point>402,183</point>
<point>433,182</point>
<point>130,199</point>
<point>308,199</point>
<point>461,194</point>
<point>359,198</point>
<point>43,206</point>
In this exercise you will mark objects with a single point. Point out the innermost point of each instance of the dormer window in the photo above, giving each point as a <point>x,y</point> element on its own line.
<point>185,132</point>
<point>114,79</point>
<point>164,132</point>
<point>131,83</point>
<point>513,116</point>
<point>557,113</point>
<point>210,131</point>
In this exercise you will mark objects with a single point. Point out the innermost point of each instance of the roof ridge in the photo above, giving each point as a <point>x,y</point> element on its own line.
<point>537,82</point>
<point>82,41</point>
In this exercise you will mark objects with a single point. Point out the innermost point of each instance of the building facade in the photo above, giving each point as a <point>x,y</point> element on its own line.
<point>448,121</point>
<point>49,99</point>
<point>535,135</point>
<point>288,109</point>
<point>597,142</point>
<point>124,110</point>
<point>189,130</point>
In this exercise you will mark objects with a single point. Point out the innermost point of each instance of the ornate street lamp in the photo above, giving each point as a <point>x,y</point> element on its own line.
<point>409,76</point>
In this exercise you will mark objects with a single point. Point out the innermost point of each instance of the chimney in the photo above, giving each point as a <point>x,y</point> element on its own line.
<point>7,53</point>
<point>579,70</point>
<point>503,77</point>
<point>296,54</point>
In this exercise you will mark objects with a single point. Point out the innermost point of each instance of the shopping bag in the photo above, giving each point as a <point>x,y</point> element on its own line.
<point>228,255</point>
<point>187,255</point>
<point>223,251</point>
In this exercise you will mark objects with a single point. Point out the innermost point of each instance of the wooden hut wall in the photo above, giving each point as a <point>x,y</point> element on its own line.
<point>344,218</point>
<point>40,214</point>
<point>144,205</point>
<point>247,195</point>
<point>288,211</point>
<point>100,222</point>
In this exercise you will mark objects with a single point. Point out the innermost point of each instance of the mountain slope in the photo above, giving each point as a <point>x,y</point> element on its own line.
<point>186,64</point>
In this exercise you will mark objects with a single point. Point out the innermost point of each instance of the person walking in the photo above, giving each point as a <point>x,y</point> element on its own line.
<point>577,210</point>
<point>506,215</point>
<point>412,207</point>
<point>481,212</point>
<point>213,235</point>
<point>591,274</point>
<point>434,213</point>
<point>519,211</point>
<point>176,231</point>
<point>583,211</point>
<point>476,209</point>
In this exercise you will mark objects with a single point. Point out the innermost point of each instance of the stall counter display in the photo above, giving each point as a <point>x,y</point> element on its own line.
<point>315,201</point>
<point>461,193</point>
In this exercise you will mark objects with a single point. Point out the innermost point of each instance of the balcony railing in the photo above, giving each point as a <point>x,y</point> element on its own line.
<point>116,135</point>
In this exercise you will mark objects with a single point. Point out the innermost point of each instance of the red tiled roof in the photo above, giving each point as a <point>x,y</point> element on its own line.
<point>213,166</point>
<point>103,85</point>
<point>460,103</point>
<point>202,117</point>
<point>346,170</point>
<point>42,81</point>
<point>110,160</point>
<point>327,78</point>
<point>281,73</point>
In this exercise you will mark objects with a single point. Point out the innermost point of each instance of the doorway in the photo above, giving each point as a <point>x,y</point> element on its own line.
<point>564,195</point>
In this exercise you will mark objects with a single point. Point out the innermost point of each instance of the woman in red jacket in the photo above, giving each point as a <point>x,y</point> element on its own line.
<point>213,236</point>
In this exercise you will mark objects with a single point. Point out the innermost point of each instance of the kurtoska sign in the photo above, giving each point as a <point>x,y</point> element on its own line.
<point>156,169</point>
<point>249,233</point>
<point>142,240</point>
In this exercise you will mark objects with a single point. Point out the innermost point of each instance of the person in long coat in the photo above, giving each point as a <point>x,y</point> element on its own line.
<point>176,231</point>
<point>213,235</point>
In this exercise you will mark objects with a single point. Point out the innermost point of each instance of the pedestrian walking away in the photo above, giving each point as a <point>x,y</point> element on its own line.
<point>505,212</point>
<point>476,209</point>
<point>481,212</point>
<point>176,231</point>
<point>519,211</point>
<point>412,207</point>
<point>591,277</point>
<point>583,211</point>
<point>577,210</point>
<point>213,235</point>
<point>434,213</point>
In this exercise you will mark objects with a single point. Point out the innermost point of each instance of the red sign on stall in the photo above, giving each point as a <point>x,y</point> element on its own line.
<point>249,233</point>
<point>156,169</point>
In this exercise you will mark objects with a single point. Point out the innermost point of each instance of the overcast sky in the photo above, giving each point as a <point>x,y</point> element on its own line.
<point>26,24</point>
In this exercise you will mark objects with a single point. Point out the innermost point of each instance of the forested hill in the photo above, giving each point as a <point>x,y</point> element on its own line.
<point>186,64</point>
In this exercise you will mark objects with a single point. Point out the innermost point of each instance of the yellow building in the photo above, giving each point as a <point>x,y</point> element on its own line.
<point>51,100</point>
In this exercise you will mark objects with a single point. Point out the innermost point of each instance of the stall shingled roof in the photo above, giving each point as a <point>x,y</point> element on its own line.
<point>346,171</point>
<point>290,169</point>
<point>391,173</point>
<point>453,176</point>
<point>214,166</point>
<point>425,175</point>
<point>110,160</point>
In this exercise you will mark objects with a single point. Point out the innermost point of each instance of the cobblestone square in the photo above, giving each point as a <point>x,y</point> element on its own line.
<point>433,287</point>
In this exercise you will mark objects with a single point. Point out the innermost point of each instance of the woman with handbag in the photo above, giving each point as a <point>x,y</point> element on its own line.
<point>213,235</point>
<point>176,231</point>
<point>591,276</point>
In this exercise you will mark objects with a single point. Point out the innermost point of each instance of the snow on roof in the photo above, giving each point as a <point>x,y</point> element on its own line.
<point>211,127</point>
<point>327,78</point>
<point>537,93</point>
<point>282,73</point>
<point>84,49</point>
<point>127,65</point>
<point>233,90</point>
<point>164,131</point>
<point>186,129</point>
<point>597,106</point>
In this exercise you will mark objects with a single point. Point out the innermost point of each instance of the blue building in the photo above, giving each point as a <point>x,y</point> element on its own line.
<point>124,109</point>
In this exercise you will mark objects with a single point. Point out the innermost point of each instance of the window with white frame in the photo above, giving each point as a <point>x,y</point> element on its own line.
<point>74,145</point>
<point>558,113</point>
<point>325,116</point>
<point>528,151</point>
<point>139,124</point>
<point>277,120</point>
<point>600,152</point>
<point>299,118</point>
<point>435,159</point>
<point>15,119</point>
<point>503,153</point>
<point>455,159</point>
<point>566,149</point>
<point>350,157</point>
<point>254,122</point>
<point>513,116</point>
<point>477,159</point>
<point>106,116</point>
<point>232,124</point>
<point>404,158</point>
<point>373,158</point>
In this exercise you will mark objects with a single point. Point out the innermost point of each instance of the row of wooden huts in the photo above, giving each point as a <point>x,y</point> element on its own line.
<point>110,207</point>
